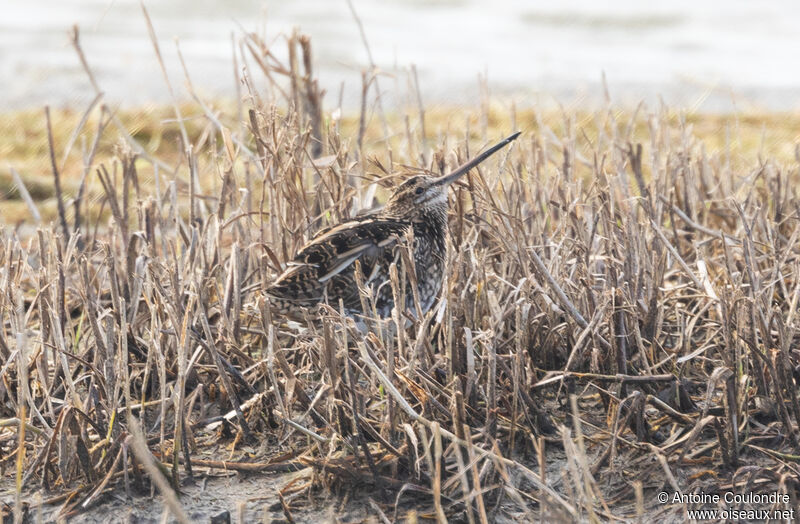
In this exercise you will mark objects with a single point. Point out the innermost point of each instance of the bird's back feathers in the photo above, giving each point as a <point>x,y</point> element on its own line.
<point>325,265</point>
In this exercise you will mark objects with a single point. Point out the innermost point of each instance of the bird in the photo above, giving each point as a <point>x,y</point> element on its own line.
<point>324,269</point>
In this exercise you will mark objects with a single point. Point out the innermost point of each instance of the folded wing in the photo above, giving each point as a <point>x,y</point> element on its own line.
<point>325,266</point>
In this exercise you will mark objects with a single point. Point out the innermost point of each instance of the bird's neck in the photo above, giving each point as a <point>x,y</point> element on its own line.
<point>436,216</point>
<point>432,223</point>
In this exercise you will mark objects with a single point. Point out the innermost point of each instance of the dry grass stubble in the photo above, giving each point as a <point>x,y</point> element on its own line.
<point>625,311</point>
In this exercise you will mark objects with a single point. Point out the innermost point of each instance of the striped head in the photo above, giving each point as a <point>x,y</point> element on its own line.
<point>422,195</point>
<point>417,197</point>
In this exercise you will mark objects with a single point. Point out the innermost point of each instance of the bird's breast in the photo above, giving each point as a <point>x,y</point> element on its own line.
<point>429,258</point>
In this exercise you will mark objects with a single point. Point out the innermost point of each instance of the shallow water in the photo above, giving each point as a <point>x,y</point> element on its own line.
<point>712,54</point>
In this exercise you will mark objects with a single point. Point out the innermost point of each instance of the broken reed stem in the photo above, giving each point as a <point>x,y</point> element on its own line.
<point>373,69</point>
<point>26,196</point>
<point>437,474</point>
<point>146,459</point>
<point>62,214</point>
<point>476,484</point>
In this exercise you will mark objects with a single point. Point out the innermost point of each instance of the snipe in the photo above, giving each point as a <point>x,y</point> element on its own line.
<point>324,269</point>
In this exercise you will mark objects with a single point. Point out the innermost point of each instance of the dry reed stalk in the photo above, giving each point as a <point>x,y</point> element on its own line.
<point>62,215</point>
<point>157,475</point>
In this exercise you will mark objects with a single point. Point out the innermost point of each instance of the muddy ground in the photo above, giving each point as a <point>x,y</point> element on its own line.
<point>211,498</point>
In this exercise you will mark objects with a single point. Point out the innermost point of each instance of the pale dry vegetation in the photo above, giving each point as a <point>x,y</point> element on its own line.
<point>619,316</point>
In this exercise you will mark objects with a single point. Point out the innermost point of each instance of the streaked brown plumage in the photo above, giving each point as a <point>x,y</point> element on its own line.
<point>324,269</point>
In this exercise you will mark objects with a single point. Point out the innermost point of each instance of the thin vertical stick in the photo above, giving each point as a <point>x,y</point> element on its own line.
<point>62,214</point>
<point>148,461</point>
<point>437,475</point>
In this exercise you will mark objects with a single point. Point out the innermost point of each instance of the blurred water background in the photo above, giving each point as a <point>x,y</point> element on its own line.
<point>712,55</point>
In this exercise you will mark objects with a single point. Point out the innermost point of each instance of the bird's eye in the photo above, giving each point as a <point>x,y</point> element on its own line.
<point>419,191</point>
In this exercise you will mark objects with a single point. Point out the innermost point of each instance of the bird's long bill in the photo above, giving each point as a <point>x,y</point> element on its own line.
<point>452,177</point>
